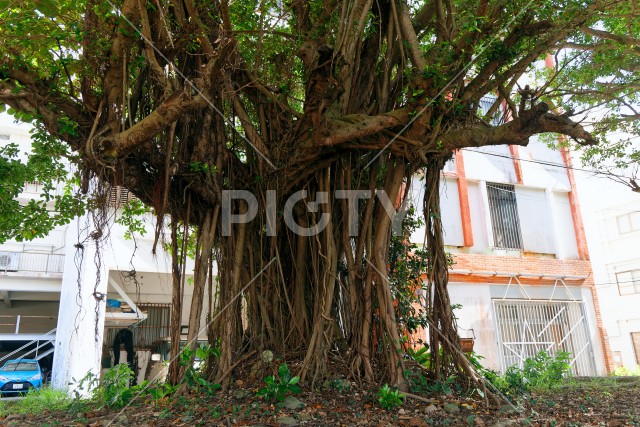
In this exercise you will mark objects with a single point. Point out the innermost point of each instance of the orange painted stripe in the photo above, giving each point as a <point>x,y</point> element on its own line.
<point>574,204</point>
<point>463,195</point>
<point>517,165</point>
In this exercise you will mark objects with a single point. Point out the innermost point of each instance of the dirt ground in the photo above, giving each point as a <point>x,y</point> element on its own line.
<point>609,402</point>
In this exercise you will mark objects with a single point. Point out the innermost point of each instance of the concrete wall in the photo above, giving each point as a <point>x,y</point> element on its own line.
<point>544,208</point>
<point>477,313</point>
<point>618,252</point>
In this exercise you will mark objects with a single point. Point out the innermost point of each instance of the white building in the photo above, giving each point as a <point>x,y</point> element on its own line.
<point>54,292</point>
<point>616,238</point>
<point>522,272</point>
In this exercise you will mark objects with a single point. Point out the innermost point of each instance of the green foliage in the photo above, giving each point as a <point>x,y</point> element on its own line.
<point>277,388</point>
<point>162,391</point>
<point>338,384</point>
<point>390,398</point>
<point>36,402</point>
<point>202,167</point>
<point>46,164</point>
<point>420,384</point>
<point>194,361</point>
<point>131,217</point>
<point>407,263</point>
<point>538,373</point>
<point>113,391</point>
<point>622,371</point>
<point>422,356</point>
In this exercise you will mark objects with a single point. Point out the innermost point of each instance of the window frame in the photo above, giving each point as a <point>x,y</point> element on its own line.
<point>628,217</point>
<point>511,238</point>
<point>632,281</point>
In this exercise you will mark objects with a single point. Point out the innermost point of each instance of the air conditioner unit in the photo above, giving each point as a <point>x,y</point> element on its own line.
<point>9,261</point>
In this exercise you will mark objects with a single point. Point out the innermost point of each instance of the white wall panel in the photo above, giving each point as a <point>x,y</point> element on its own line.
<point>566,238</point>
<point>477,209</point>
<point>490,164</point>
<point>535,220</point>
<point>543,175</point>
<point>476,314</point>
<point>450,213</point>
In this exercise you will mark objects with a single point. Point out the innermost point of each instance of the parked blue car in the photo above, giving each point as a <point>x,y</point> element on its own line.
<point>19,376</point>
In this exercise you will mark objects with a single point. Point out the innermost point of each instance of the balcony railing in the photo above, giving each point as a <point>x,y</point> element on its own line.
<point>21,324</point>
<point>35,262</point>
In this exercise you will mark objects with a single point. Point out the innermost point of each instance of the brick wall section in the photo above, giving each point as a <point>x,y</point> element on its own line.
<point>533,265</point>
<point>519,264</point>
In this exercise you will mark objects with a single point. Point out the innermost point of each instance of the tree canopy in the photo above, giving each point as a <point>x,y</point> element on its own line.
<point>178,100</point>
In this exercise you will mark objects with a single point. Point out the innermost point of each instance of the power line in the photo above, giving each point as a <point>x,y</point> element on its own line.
<point>545,163</point>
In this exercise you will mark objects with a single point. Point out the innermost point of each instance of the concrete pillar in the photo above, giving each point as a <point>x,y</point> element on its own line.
<point>82,309</point>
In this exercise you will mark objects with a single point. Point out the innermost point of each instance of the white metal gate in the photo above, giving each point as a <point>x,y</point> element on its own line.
<point>527,326</point>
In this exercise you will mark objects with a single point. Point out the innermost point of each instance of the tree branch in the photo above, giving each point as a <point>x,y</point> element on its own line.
<point>168,112</point>
<point>517,132</point>
<point>356,126</point>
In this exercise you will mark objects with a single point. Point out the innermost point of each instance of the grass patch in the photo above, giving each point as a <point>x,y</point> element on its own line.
<point>36,402</point>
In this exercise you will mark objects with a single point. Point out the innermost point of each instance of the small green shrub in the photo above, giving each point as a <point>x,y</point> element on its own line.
<point>278,388</point>
<point>193,374</point>
<point>546,371</point>
<point>338,384</point>
<point>159,392</point>
<point>113,391</point>
<point>422,356</point>
<point>539,372</point>
<point>622,371</point>
<point>390,398</point>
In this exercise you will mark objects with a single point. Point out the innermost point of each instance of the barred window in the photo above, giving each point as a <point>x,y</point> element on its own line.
<point>119,196</point>
<point>504,216</point>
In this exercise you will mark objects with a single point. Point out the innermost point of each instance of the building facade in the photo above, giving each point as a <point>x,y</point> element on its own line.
<point>55,292</point>
<point>522,279</point>
<point>617,235</point>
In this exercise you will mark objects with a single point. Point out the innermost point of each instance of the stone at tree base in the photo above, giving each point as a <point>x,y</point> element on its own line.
<point>430,409</point>
<point>417,422</point>
<point>291,402</point>
<point>451,408</point>
<point>241,394</point>
<point>287,421</point>
<point>507,409</point>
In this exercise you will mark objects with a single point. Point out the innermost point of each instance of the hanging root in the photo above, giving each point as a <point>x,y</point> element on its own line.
<point>447,357</point>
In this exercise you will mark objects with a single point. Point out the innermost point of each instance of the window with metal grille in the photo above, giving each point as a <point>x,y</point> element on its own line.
<point>504,216</point>
<point>119,196</point>
<point>628,282</point>
<point>526,327</point>
<point>150,331</point>
<point>485,104</point>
